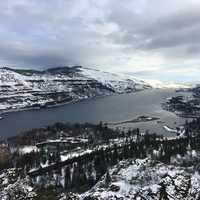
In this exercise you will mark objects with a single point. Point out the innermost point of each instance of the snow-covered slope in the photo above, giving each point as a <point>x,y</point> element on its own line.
<point>119,82</point>
<point>29,88</point>
<point>146,179</point>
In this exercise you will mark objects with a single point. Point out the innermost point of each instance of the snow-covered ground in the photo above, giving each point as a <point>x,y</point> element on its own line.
<point>78,152</point>
<point>13,187</point>
<point>27,149</point>
<point>180,130</point>
<point>139,179</point>
<point>147,179</point>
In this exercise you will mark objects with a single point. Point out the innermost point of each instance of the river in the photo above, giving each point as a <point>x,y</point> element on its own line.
<point>107,109</point>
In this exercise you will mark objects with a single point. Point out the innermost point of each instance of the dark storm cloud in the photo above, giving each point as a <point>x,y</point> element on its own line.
<point>125,35</point>
<point>25,56</point>
<point>150,30</point>
<point>174,39</point>
<point>178,21</point>
<point>180,29</point>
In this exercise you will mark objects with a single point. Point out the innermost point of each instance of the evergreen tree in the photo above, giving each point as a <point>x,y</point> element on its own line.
<point>107,178</point>
<point>67,177</point>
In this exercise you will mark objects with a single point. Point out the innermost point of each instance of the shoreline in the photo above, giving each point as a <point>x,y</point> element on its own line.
<point>62,104</point>
<point>127,120</point>
<point>50,106</point>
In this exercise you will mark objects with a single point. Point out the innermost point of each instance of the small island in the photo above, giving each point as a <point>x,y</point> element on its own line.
<point>142,118</point>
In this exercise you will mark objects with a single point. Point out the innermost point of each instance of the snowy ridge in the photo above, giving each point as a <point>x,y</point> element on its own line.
<point>119,82</point>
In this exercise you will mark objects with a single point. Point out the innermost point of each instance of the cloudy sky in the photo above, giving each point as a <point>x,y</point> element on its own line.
<point>152,39</point>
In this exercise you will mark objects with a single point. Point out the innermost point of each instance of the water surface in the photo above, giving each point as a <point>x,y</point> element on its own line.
<point>111,109</point>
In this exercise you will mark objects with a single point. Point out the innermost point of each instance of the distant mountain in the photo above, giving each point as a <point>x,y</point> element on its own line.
<point>160,84</point>
<point>24,88</point>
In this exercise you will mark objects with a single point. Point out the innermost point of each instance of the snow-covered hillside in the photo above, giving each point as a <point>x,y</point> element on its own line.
<point>146,179</point>
<point>30,88</point>
<point>140,179</point>
<point>119,82</point>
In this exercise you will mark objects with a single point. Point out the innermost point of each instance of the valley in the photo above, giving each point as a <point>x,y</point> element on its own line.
<point>109,109</point>
<point>99,100</point>
<point>125,146</point>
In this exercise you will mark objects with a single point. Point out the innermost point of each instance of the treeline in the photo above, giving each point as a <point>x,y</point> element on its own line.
<point>96,134</point>
<point>99,131</point>
<point>193,126</point>
<point>87,170</point>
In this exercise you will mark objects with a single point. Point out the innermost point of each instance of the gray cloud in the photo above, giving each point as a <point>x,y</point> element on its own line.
<point>124,35</point>
<point>179,28</point>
